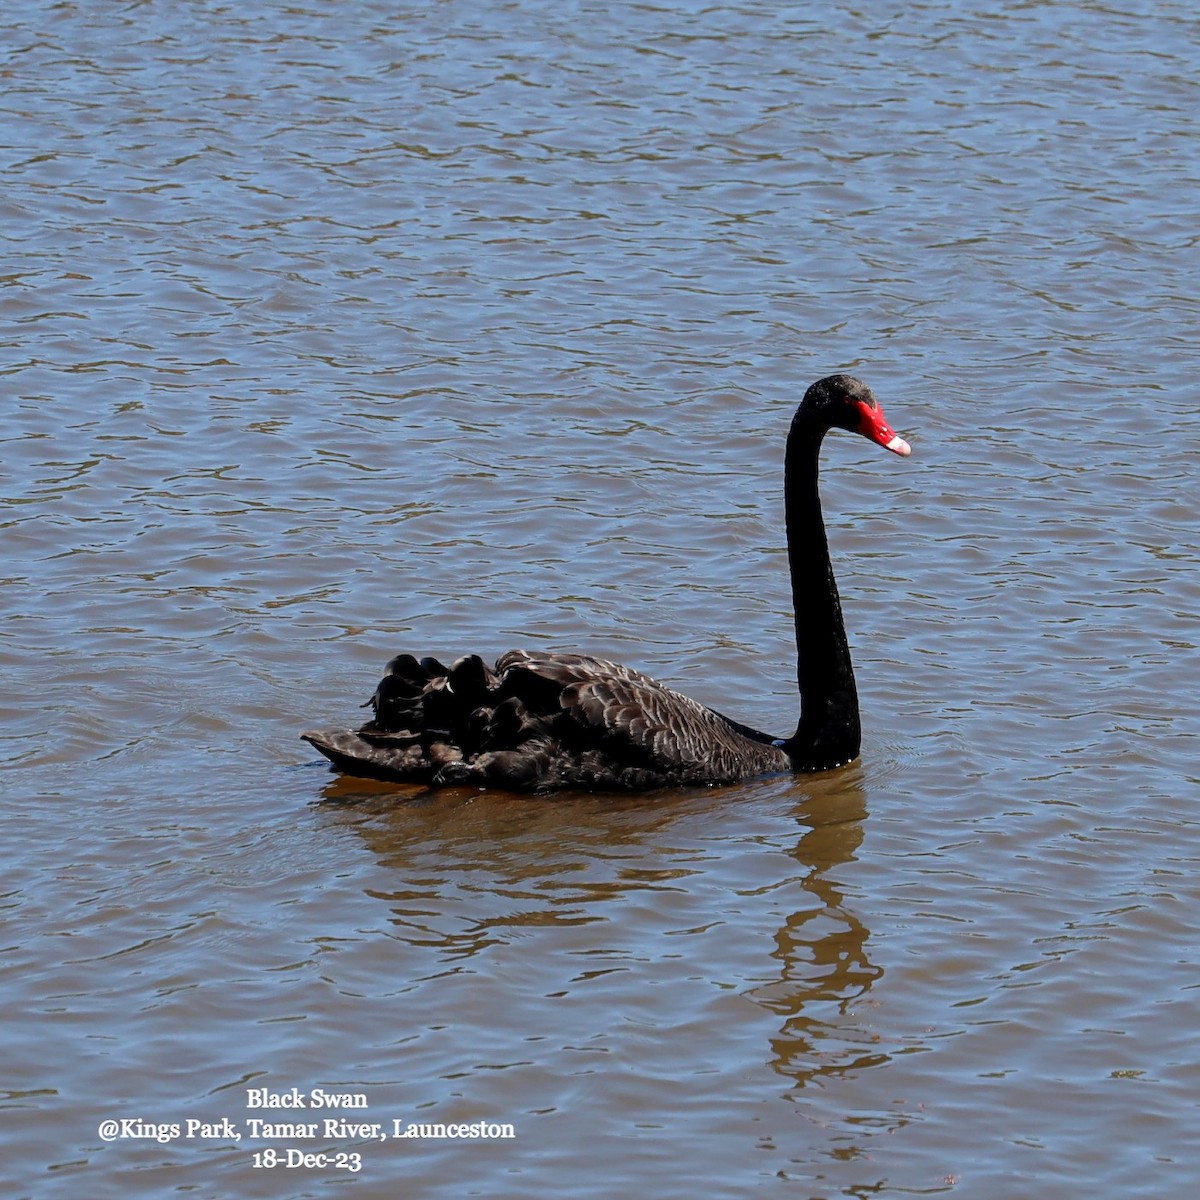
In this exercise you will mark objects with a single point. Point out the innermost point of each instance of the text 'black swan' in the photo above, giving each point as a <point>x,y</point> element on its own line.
<point>542,721</point>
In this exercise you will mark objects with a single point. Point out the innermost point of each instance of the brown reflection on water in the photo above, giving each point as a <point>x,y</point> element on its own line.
<point>824,964</point>
<point>483,869</point>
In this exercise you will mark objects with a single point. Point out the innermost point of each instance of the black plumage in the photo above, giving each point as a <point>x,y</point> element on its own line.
<point>542,721</point>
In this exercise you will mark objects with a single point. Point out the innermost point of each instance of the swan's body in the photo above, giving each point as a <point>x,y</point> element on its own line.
<point>546,721</point>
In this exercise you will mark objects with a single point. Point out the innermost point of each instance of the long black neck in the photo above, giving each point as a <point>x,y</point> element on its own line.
<point>828,734</point>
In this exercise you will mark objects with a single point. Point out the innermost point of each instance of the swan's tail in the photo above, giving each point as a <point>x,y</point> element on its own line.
<point>354,754</point>
<point>432,724</point>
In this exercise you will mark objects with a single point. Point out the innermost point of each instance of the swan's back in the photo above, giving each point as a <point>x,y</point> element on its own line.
<point>541,722</point>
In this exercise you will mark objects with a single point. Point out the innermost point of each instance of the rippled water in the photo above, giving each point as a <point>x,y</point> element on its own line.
<point>336,330</point>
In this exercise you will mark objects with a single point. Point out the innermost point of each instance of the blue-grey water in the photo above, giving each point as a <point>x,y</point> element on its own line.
<point>335,330</point>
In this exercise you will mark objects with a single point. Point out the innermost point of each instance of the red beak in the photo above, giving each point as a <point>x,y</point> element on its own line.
<point>873,425</point>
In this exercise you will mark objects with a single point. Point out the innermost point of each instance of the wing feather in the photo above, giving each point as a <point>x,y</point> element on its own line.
<point>542,721</point>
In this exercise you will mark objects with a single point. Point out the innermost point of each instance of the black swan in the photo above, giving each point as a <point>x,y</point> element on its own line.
<point>540,721</point>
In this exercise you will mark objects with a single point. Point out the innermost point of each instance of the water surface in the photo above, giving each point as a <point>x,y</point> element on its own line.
<point>332,331</point>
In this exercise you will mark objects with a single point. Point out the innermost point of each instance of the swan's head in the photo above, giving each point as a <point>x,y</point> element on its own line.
<point>847,403</point>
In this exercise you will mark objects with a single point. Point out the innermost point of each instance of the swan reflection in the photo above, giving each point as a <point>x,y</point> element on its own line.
<point>822,952</point>
<point>592,900</point>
